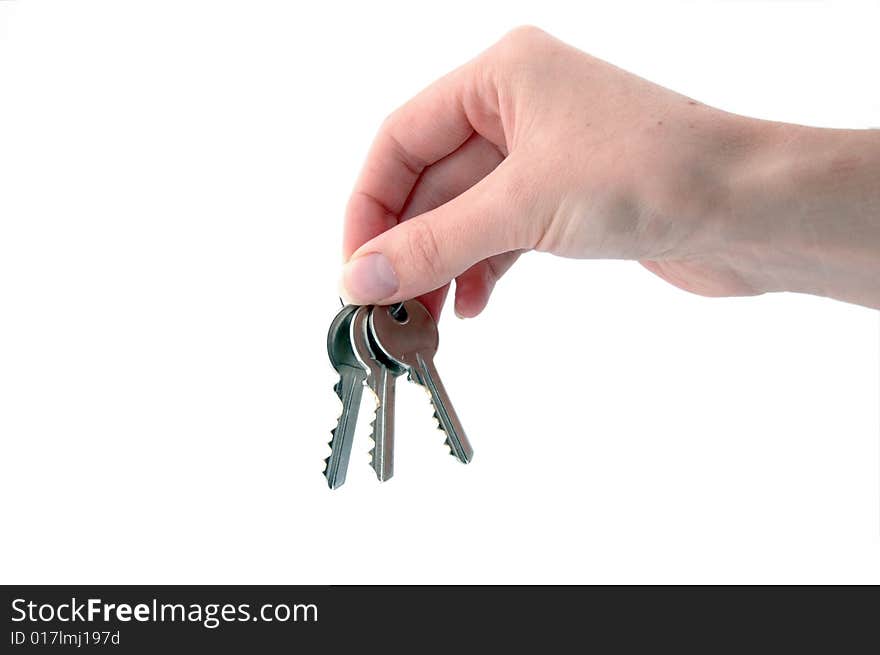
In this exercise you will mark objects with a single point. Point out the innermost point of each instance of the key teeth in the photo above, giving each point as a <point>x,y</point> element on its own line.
<point>443,430</point>
<point>337,389</point>
<point>372,452</point>
<point>372,435</point>
<point>436,417</point>
<point>448,441</point>
<point>327,459</point>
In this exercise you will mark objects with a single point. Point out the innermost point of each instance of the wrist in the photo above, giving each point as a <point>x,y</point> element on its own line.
<point>801,211</point>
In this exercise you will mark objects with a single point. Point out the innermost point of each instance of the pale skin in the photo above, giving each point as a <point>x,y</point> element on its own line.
<point>535,145</point>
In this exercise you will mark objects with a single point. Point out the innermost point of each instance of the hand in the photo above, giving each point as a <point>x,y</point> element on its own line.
<point>534,145</point>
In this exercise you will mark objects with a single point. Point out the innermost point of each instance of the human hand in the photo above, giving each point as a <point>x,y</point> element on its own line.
<point>535,145</point>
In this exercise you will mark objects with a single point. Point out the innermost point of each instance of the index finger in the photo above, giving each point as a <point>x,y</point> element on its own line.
<point>426,129</point>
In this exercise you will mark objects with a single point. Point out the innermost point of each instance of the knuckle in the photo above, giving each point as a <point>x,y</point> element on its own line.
<point>519,53</point>
<point>395,120</point>
<point>520,43</point>
<point>524,36</point>
<point>389,122</point>
<point>395,124</point>
<point>424,249</point>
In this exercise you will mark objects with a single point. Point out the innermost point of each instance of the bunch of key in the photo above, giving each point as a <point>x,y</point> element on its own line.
<point>373,346</point>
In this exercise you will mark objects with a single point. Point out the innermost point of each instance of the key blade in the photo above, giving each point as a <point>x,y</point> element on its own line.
<point>349,389</point>
<point>380,381</point>
<point>377,450</point>
<point>426,375</point>
<point>382,427</point>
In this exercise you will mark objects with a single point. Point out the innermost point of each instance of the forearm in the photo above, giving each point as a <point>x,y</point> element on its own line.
<point>804,212</point>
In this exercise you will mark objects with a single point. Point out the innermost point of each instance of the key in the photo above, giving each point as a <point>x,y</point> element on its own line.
<point>408,336</point>
<point>349,389</point>
<point>381,377</point>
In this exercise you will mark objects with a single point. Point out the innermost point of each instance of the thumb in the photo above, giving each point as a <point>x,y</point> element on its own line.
<point>431,249</point>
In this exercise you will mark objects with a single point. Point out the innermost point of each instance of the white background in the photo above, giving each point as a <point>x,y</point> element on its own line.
<point>172,181</point>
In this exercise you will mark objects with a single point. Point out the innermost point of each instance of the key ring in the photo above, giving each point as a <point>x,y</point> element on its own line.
<point>397,310</point>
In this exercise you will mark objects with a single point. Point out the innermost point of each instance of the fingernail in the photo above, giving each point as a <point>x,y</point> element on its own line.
<point>369,279</point>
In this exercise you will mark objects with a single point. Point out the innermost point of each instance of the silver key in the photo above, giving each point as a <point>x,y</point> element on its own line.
<point>409,337</point>
<point>381,377</point>
<point>349,389</point>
